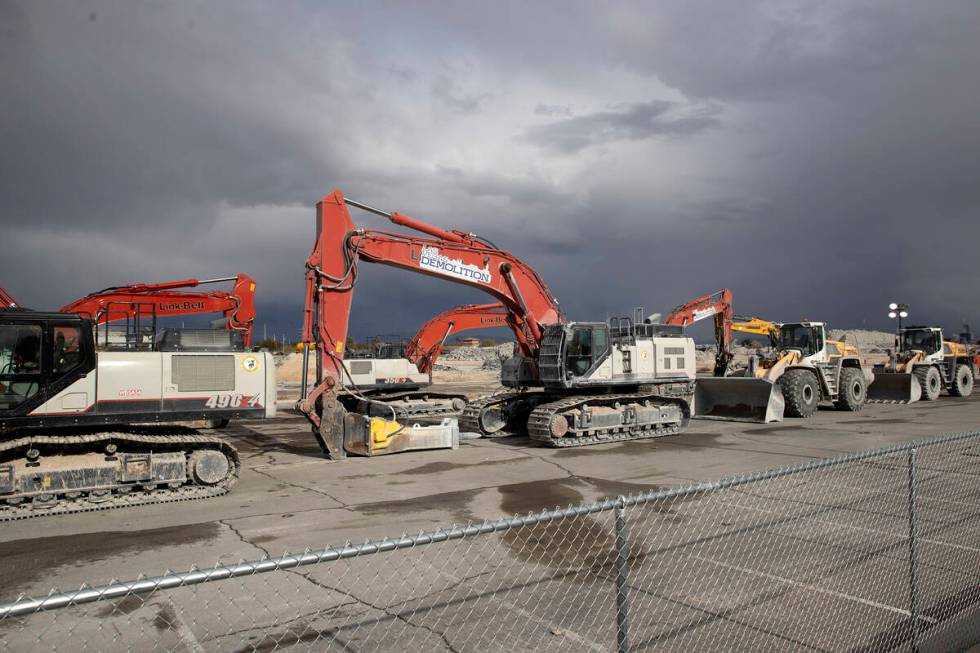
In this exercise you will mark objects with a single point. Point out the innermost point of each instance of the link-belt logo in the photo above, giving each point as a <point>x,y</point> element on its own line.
<point>182,306</point>
<point>431,259</point>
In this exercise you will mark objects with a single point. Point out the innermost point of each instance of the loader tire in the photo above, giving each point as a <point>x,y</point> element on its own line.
<point>930,380</point>
<point>962,385</point>
<point>801,390</point>
<point>852,390</point>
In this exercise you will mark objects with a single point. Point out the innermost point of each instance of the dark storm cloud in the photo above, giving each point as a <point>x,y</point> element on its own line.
<point>633,122</point>
<point>115,112</point>
<point>818,158</point>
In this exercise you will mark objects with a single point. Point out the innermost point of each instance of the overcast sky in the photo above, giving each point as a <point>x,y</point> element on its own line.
<point>818,158</point>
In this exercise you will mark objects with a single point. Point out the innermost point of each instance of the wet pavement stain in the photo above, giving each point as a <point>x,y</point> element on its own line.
<point>447,466</point>
<point>248,441</point>
<point>562,545</point>
<point>770,430</point>
<point>455,503</point>
<point>24,563</point>
<point>123,606</point>
<point>585,545</point>
<point>522,498</point>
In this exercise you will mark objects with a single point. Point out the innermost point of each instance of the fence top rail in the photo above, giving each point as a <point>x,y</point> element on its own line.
<point>145,584</point>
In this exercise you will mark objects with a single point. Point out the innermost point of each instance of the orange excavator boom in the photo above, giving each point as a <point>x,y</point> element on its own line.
<point>169,299</point>
<point>426,347</point>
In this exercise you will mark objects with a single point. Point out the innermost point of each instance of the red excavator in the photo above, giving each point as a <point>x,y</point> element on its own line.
<point>426,347</point>
<point>719,306</point>
<point>84,427</point>
<point>136,303</point>
<point>396,379</point>
<point>599,381</point>
<point>6,301</point>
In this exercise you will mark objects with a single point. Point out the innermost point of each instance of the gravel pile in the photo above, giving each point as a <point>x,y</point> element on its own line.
<point>497,353</point>
<point>868,342</point>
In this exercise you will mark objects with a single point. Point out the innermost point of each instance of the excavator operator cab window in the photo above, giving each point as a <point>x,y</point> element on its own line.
<point>923,340</point>
<point>807,339</point>
<point>20,364</point>
<point>587,345</point>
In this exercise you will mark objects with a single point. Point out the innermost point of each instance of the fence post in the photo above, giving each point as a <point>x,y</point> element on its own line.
<point>622,559</point>
<point>913,554</point>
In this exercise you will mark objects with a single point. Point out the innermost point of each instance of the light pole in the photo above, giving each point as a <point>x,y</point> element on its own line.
<point>896,310</point>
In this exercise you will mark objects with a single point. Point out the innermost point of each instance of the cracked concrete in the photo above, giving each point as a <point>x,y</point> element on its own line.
<point>289,498</point>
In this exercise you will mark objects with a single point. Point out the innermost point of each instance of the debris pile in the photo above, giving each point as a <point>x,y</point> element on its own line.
<point>492,357</point>
<point>869,342</point>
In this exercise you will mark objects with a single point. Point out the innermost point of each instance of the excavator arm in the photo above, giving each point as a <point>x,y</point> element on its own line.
<point>169,299</point>
<point>455,256</point>
<point>425,348</point>
<point>6,301</point>
<point>719,306</point>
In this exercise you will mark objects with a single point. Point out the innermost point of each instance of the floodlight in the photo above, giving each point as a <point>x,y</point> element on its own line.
<point>904,314</point>
<point>893,306</point>
<point>893,315</point>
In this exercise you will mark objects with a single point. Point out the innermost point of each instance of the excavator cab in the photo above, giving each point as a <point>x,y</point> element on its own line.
<point>40,355</point>
<point>571,351</point>
<point>587,344</point>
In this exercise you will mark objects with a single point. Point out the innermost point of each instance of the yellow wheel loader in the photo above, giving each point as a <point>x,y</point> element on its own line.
<point>805,370</point>
<point>922,367</point>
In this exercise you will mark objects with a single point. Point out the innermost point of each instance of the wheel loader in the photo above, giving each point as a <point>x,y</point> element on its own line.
<point>805,369</point>
<point>922,367</point>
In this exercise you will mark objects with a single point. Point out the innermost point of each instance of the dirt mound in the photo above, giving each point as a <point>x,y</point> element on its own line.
<point>290,369</point>
<point>869,342</point>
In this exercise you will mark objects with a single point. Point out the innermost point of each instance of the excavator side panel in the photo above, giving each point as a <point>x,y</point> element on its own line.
<point>738,399</point>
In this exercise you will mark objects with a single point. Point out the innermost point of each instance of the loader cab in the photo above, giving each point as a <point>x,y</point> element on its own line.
<point>806,337</point>
<point>928,340</point>
<point>41,354</point>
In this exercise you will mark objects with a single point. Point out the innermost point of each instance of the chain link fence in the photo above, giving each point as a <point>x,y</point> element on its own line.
<point>875,551</point>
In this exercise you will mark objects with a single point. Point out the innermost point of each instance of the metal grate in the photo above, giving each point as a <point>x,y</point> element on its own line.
<point>360,367</point>
<point>203,373</point>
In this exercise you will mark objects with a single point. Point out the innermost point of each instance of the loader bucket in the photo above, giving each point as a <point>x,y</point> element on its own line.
<point>738,399</point>
<point>894,388</point>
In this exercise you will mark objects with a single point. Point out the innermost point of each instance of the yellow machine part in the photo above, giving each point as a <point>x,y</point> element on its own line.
<point>376,436</point>
<point>904,365</point>
<point>844,348</point>
<point>772,370</point>
<point>954,349</point>
<point>757,326</point>
<point>382,430</point>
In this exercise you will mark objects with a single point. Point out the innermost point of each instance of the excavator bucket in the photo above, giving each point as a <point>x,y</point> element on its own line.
<point>894,388</point>
<point>738,399</point>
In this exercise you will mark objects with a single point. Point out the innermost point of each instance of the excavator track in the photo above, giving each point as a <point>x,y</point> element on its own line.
<point>623,417</point>
<point>420,404</point>
<point>417,404</point>
<point>210,468</point>
<point>490,416</point>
